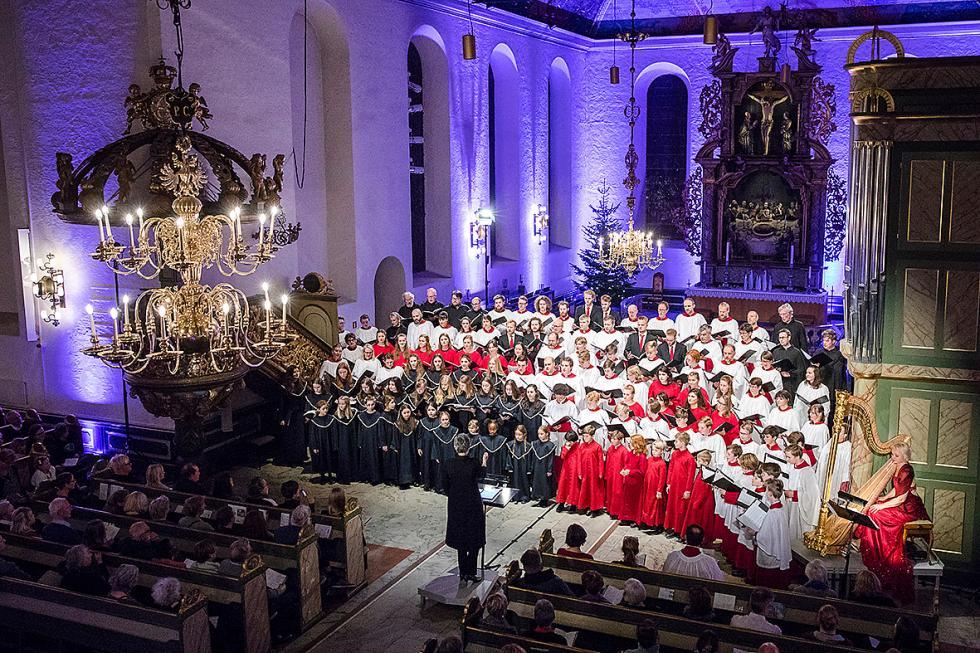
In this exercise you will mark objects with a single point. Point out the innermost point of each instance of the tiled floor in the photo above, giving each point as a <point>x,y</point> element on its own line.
<point>387,617</point>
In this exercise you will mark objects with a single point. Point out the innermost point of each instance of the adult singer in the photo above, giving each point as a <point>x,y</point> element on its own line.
<point>883,551</point>
<point>466,525</point>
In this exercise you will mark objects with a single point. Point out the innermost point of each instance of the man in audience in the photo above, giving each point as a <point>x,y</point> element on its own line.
<point>691,560</point>
<point>9,569</point>
<point>298,518</point>
<point>120,467</point>
<point>190,479</point>
<point>258,492</point>
<point>142,543</point>
<point>83,571</point>
<point>238,553</point>
<point>544,623</point>
<point>193,511</point>
<point>291,495</point>
<point>759,602</point>
<point>59,529</point>
<point>593,584</point>
<point>166,594</point>
<point>647,638</point>
<point>538,579</point>
<point>794,326</point>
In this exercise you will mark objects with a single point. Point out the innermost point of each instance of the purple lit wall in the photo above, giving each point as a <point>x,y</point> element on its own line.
<point>72,63</point>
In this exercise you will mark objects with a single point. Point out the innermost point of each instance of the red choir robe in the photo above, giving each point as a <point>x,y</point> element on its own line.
<point>883,551</point>
<point>652,509</point>
<point>615,460</point>
<point>672,390</point>
<point>732,433</point>
<point>744,547</point>
<point>773,555</point>
<point>680,479</point>
<point>568,479</point>
<point>635,464</point>
<point>729,512</point>
<point>590,495</point>
<point>701,508</point>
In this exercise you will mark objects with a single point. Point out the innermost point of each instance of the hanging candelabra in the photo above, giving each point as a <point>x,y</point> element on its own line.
<point>631,249</point>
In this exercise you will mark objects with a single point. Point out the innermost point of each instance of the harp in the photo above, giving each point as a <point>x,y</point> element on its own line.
<point>830,535</point>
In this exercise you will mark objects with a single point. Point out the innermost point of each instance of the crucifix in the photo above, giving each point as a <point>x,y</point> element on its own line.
<point>768,99</point>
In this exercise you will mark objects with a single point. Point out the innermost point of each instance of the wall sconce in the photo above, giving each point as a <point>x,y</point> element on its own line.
<point>480,230</point>
<point>540,219</point>
<point>50,288</point>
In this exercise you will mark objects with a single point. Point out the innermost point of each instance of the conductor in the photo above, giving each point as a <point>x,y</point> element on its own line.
<point>466,527</point>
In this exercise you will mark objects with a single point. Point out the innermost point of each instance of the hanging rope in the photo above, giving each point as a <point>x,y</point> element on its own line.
<point>299,170</point>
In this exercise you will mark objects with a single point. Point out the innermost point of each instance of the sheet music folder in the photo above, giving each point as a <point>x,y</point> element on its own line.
<point>854,516</point>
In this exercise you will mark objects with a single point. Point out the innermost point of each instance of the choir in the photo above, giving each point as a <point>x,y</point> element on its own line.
<point>661,422</point>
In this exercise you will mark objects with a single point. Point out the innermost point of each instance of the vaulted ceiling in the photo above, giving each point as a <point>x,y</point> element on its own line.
<point>604,18</point>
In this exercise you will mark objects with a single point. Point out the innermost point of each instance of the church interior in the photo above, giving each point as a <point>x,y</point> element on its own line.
<point>490,325</point>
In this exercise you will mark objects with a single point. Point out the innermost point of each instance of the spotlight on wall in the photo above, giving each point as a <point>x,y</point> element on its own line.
<point>710,30</point>
<point>540,221</point>
<point>469,39</point>
<point>49,287</point>
<point>483,219</point>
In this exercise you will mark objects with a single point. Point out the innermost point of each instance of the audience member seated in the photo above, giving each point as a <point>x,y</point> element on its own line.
<point>544,624</point>
<point>867,590</point>
<point>190,479</point>
<point>707,643</point>
<point>290,491</point>
<point>699,606</point>
<point>59,528</point>
<point>906,638</point>
<point>827,623</point>
<point>96,537</point>
<point>141,542</point>
<point>122,581</point>
<point>10,486</point>
<point>9,569</point>
<point>83,571</point>
<point>166,594</point>
<point>575,537</point>
<point>816,581</point>
<point>451,644</point>
<point>759,602</point>
<point>298,518</point>
<point>647,638</point>
<point>631,551</point>
<point>634,594</point>
<point>337,502</point>
<point>120,468</point>
<point>65,485</point>
<point>159,508</point>
<point>592,586</point>
<point>43,471</point>
<point>137,505</point>
<point>691,560</point>
<point>256,526</point>
<point>258,492</point>
<point>116,502</point>
<point>193,509</point>
<point>224,487</point>
<point>238,553</point>
<point>204,558</point>
<point>537,579</point>
<point>6,511</point>
<point>768,647</point>
<point>22,522</point>
<point>224,520</point>
<point>495,613</point>
<point>155,474</point>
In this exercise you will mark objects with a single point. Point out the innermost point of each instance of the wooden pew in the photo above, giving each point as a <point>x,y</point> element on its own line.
<point>30,610</point>
<point>875,621</point>
<point>350,558</point>
<point>677,632</point>
<point>243,599</point>
<point>301,558</point>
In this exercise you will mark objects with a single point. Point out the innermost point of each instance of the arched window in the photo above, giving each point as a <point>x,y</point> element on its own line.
<point>416,154</point>
<point>560,155</point>
<point>504,165</point>
<point>666,155</point>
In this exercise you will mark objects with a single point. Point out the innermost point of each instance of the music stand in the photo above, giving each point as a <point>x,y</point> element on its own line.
<point>854,518</point>
<point>494,495</point>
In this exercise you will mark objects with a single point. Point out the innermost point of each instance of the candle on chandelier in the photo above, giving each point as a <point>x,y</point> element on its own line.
<point>139,216</point>
<point>162,312</point>
<point>132,238</point>
<point>728,252</point>
<point>272,220</point>
<point>114,314</point>
<point>265,289</point>
<point>180,236</point>
<point>261,228</point>
<point>108,227</point>
<point>126,310</point>
<point>660,248</point>
<point>98,219</point>
<point>91,319</point>
<point>268,317</point>
<point>225,308</point>
<point>285,300</point>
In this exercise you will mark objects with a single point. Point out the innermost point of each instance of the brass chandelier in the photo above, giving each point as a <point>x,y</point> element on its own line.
<point>631,249</point>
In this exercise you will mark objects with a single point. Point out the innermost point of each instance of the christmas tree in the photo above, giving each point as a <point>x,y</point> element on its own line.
<point>592,274</point>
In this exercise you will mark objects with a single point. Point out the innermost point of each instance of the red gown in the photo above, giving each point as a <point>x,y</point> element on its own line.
<point>654,480</point>
<point>732,433</point>
<point>883,551</point>
<point>632,486</point>
<point>568,478</point>
<point>615,461</point>
<point>680,479</point>
<point>671,390</point>
<point>590,494</point>
<point>701,508</point>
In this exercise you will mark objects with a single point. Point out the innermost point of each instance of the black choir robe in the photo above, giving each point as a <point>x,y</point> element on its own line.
<point>372,434</point>
<point>795,357</point>
<point>496,447</point>
<point>404,446</point>
<point>464,410</point>
<point>292,441</point>
<point>425,443</point>
<point>318,429</point>
<point>486,407</point>
<point>543,464</point>
<point>530,416</point>
<point>508,411</point>
<point>342,439</point>
<point>519,464</point>
<point>442,450</point>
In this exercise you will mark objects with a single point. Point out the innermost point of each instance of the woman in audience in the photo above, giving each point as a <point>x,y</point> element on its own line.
<point>83,571</point>
<point>95,536</point>
<point>255,526</point>
<point>224,520</point>
<point>155,474</point>
<point>827,623</point>
<point>258,492</point>
<point>6,511</point>
<point>867,590</point>
<point>166,594</point>
<point>193,509</point>
<point>224,487</point>
<point>631,549</point>
<point>337,502</point>
<point>137,505</point>
<point>204,557</point>
<point>816,581</point>
<point>22,522</point>
<point>114,504</point>
<point>122,581</point>
<point>707,643</point>
<point>495,616</point>
<point>43,471</point>
<point>159,509</point>
<point>699,605</point>
<point>593,584</point>
<point>575,537</point>
<point>634,594</point>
